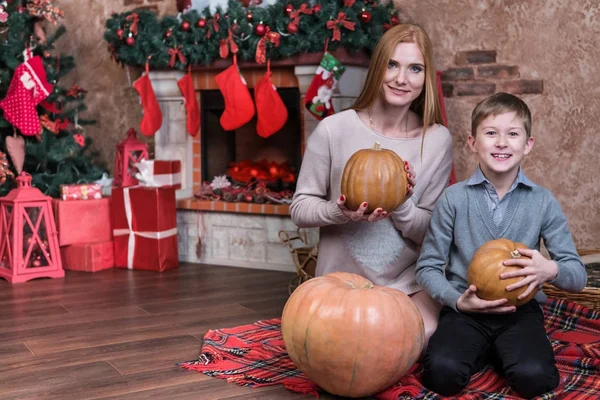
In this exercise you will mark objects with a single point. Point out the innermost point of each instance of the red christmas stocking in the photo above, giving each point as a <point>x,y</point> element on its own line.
<point>239,108</point>
<point>318,96</point>
<point>152,119</point>
<point>272,113</point>
<point>27,89</point>
<point>186,85</point>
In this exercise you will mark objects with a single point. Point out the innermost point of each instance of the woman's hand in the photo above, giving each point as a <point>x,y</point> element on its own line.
<point>412,179</point>
<point>536,270</point>
<point>469,302</point>
<point>359,215</point>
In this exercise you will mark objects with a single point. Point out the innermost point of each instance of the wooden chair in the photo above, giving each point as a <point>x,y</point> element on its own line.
<point>304,257</point>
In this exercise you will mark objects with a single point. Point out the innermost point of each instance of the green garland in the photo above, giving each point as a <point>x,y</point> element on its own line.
<point>135,36</point>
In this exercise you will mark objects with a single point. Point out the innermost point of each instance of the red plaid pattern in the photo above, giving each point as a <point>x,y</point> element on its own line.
<point>254,355</point>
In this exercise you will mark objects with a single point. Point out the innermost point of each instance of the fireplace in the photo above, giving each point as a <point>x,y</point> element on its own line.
<point>223,150</point>
<point>240,233</point>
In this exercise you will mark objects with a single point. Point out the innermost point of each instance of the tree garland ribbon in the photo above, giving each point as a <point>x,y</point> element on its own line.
<point>295,15</point>
<point>261,48</point>
<point>335,25</point>
<point>226,44</point>
<point>134,19</point>
<point>175,54</point>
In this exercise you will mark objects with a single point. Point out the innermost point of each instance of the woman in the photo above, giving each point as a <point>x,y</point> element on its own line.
<point>398,107</point>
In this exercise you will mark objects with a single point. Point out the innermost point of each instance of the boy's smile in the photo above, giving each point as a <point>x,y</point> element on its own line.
<point>501,143</point>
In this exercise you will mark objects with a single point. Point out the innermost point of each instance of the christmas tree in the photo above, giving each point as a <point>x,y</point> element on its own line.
<point>42,132</point>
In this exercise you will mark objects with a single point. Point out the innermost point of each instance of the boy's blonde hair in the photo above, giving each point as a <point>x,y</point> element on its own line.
<point>501,103</point>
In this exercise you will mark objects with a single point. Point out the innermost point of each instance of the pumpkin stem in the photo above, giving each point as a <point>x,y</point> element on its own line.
<point>376,146</point>
<point>515,254</point>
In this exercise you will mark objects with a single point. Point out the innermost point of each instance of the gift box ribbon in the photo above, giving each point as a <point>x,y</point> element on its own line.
<point>132,234</point>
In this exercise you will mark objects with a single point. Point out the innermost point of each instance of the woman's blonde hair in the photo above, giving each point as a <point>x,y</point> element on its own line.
<point>427,105</point>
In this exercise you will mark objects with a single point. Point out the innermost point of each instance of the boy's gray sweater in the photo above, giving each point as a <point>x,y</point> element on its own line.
<point>461,223</point>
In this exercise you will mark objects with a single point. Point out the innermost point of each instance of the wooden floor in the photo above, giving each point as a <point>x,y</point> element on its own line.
<point>117,334</point>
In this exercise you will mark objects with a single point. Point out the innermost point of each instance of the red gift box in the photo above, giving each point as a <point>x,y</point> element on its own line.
<point>85,191</point>
<point>80,222</point>
<point>144,223</point>
<point>89,257</point>
<point>164,172</point>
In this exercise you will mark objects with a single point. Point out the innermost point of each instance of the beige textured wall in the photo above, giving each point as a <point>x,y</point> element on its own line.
<point>556,41</point>
<point>111,100</point>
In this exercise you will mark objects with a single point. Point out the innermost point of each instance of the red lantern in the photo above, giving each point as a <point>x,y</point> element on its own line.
<point>27,212</point>
<point>129,152</point>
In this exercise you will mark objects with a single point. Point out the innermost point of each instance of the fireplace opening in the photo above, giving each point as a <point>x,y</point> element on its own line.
<point>223,151</point>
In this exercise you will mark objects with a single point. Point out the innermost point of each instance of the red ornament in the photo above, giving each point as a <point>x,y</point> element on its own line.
<point>292,27</point>
<point>273,171</point>
<point>130,41</point>
<point>316,8</point>
<point>185,26</point>
<point>168,33</point>
<point>120,33</point>
<point>260,29</point>
<point>249,16</point>
<point>201,23</point>
<point>288,9</point>
<point>27,211</point>
<point>395,20</point>
<point>365,16</point>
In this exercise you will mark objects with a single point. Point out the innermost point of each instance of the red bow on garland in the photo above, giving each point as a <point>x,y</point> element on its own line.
<point>261,47</point>
<point>175,54</point>
<point>335,25</point>
<point>226,44</point>
<point>295,15</point>
<point>215,24</point>
<point>135,20</point>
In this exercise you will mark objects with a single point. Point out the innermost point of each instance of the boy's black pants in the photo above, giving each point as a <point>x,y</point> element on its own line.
<point>465,343</point>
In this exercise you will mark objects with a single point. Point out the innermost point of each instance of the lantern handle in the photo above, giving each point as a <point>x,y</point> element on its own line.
<point>24,180</point>
<point>131,133</point>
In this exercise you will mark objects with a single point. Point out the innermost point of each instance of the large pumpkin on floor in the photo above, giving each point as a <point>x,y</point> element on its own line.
<point>486,267</point>
<point>376,176</point>
<point>350,337</point>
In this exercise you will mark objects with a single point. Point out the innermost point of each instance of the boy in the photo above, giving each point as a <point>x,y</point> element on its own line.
<point>498,201</point>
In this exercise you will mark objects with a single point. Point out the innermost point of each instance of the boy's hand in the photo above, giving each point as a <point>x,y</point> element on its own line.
<point>359,215</point>
<point>412,179</point>
<point>470,303</point>
<point>536,271</point>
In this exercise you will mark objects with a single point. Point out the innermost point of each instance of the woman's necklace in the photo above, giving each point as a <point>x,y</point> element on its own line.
<point>373,125</point>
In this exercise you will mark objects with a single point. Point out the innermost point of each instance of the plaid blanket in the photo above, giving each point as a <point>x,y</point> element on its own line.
<point>254,355</point>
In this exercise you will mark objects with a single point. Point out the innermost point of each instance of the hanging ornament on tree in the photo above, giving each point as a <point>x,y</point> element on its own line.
<point>5,171</point>
<point>288,9</point>
<point>260,29</point>
<point>130,41</point>
<point>316,8</point>
<point>168,33</point>
<point>201,23</point>
<point>249,16</point>
<point>119,33</point>
<point>365,16</point>
<point>185,26</point>
<point>235,28</point>
<point>292,28</point>
<point>15,145</point>
<point>28,87</point>
<point>395,20</point>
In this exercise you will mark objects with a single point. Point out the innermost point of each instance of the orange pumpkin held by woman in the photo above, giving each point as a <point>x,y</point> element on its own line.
<point>350,337</point>
<point>375,176</point>
<point>486,267</point>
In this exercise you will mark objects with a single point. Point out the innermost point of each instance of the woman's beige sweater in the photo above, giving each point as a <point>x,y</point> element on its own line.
<point>384,252</point>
